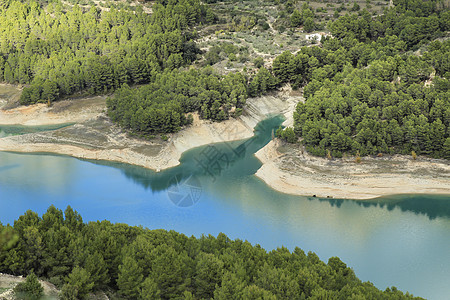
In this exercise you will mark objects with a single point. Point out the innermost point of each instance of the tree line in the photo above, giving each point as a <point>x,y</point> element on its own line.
<point>163,104</point>
<point>58,51</point>
<point>366,91</point>
<point>137,263</point>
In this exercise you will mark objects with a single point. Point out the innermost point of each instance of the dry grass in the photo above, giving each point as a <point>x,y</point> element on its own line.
<point>9,96</point>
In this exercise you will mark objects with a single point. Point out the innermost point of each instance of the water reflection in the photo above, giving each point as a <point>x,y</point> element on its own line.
<point>401,240</point>
<point>229,181</point>
<point>432,206</point>
<point>211,163</point>
<point>45,173</point>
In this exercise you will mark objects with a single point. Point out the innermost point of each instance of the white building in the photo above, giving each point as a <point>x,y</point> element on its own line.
<point>314,37</point>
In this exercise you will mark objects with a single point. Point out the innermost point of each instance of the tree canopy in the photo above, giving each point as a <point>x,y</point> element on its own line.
<point>366,91</point>
<point>61,51</point>
<point>162,105</point>
<point>136,263</point>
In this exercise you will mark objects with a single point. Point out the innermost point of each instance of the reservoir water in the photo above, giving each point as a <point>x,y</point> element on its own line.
<point>401,240</point>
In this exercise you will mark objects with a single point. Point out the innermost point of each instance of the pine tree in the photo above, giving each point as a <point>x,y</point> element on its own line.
<point>209,272</point>
<point>130,278</point>
<point>446,148</point>
<point>149,290</point>
<point>79,284</point>
<point>296,18</point>
<point>31,289</point>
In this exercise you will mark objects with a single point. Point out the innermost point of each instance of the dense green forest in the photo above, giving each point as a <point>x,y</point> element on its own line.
<point>59,52</point>
<point>380,85</point>
<point>161,106</point>
<point>137,263</point>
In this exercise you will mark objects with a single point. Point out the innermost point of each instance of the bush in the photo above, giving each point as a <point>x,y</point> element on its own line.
<point>287,134</point>
<point>189,119</point>
<point>243,58</point>
<point>358,158</point>
<point>265,26</point>
<point>212,56</point>
<point>31,289</point>
<point>355,7</point>
<point>258,62</point>
<point>232,57</point>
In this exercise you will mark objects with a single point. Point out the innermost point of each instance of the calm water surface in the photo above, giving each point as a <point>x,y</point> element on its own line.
<point>402,240</point>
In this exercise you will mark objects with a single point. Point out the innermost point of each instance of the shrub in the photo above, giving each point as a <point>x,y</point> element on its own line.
<point>287,134</point>
<point>30,289</point>
<point>258,62</point>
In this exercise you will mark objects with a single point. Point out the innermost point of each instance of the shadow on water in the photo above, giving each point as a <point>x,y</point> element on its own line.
<point>236,160</point>
<point>432,206</point>
<point>207,163</point>
<point>8,167</point>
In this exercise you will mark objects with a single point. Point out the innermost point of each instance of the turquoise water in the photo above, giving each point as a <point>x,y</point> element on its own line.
<point>402,240</point>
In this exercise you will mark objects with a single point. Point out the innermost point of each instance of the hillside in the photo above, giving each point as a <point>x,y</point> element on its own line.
<point>136,263</point>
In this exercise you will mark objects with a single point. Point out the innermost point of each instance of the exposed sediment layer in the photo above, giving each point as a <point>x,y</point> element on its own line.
<point>288,169</point>
<point>95,137</point>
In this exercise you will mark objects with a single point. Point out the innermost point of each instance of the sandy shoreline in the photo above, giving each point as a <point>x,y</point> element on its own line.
<point>123,149</point>
<point>290,171</point>
<point>285,167</point>
<point>40,114</point>
<point>95,137</point>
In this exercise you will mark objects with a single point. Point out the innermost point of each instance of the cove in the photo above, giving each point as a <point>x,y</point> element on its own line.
<point>399,240</point>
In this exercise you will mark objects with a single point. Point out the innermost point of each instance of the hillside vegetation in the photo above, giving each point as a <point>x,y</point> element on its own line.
<point>61,51</point>
<point>380,85</point>
<point>136,263</point>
